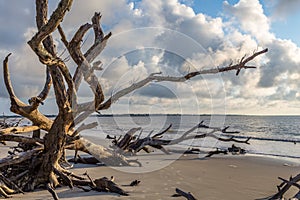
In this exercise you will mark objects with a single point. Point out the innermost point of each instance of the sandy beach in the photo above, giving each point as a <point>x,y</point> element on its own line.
<point>224,177</point>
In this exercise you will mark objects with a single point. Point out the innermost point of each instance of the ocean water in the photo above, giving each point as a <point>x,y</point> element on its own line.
<point>276,136</point>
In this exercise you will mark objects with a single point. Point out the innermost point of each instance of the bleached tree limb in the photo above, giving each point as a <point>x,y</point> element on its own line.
<point>83,66</point>
<point>46,53</point>
<point>100,39</point>
<point>84,127</point>
<point>16,130</point>
<point>46,28</point>
<point>7,80</point>
<point>19,107</point>
<point>21,139</point>
<point>157,77</point>
<point>156,142</point>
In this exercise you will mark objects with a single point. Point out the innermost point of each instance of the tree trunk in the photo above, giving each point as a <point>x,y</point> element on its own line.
<point>54,143</point>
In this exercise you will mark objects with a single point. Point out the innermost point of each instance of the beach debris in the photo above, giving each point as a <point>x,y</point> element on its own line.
<point>4,123</point>
<point>5,191</point>
<point>192,151</point>
<point>235,150</point>
<point>133,183</point>
<point>187,195</point>
<point>130,143</point>
<point>103,184</point>
<point>218,151</point>
<point>107,185</point>
<point>84,160</point>
<point>285,186</point>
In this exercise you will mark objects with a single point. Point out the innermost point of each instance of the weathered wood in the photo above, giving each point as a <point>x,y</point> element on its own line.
<point>127,138</point>
<point>10,160</point>
<point>11,184</point>
<point>16,130</point>
<point>52,191</point>
<point>21,139</point>
<point>5,191</point>
<point>156,142</point>
<point>104,184</point>
<point>187,195</point>
<point>218,151</point>
<point>285,187</point>
<point>84,160</point>
<point>103,154</point>
<point>157,77</point>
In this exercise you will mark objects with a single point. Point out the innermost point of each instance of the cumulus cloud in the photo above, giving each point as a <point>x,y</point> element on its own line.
<point>252,18</point>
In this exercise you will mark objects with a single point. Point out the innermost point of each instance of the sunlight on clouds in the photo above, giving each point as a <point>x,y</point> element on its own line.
<point>157,35</point>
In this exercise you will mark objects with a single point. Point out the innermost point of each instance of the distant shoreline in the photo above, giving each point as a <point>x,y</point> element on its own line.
<point>147,115</point>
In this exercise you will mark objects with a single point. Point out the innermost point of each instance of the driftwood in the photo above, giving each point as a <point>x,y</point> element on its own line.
<point>132,143</point>
<point>180,193</point>
<point>101,185</point>
<point>285,186</point>
<point>234,150</point>
<point>84,160</point>
<point>6,191</point>
<point>218,151</point>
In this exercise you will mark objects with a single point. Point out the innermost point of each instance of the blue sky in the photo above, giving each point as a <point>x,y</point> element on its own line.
<point>174,37</point>
<point>285,27</point>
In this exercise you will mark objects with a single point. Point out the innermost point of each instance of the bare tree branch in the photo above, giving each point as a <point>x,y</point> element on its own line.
<point>46,28</point>
<point>158,78</point>
<point>18,107</point>
<point>7,80</point>
<point>84,127</point>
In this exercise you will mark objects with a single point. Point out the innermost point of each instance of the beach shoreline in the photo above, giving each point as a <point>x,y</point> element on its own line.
<point>221,177</point>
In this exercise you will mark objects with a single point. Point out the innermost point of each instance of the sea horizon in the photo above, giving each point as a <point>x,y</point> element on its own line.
<point>161,114</point>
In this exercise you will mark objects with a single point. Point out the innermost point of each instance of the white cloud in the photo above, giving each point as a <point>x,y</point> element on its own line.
<point>252,18</point>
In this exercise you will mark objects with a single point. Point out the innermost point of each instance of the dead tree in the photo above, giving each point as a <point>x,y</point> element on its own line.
<point>133,144</point>
<point>40,164</point>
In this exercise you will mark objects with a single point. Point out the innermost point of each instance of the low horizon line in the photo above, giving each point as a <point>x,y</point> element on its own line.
<point>161,114</point>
